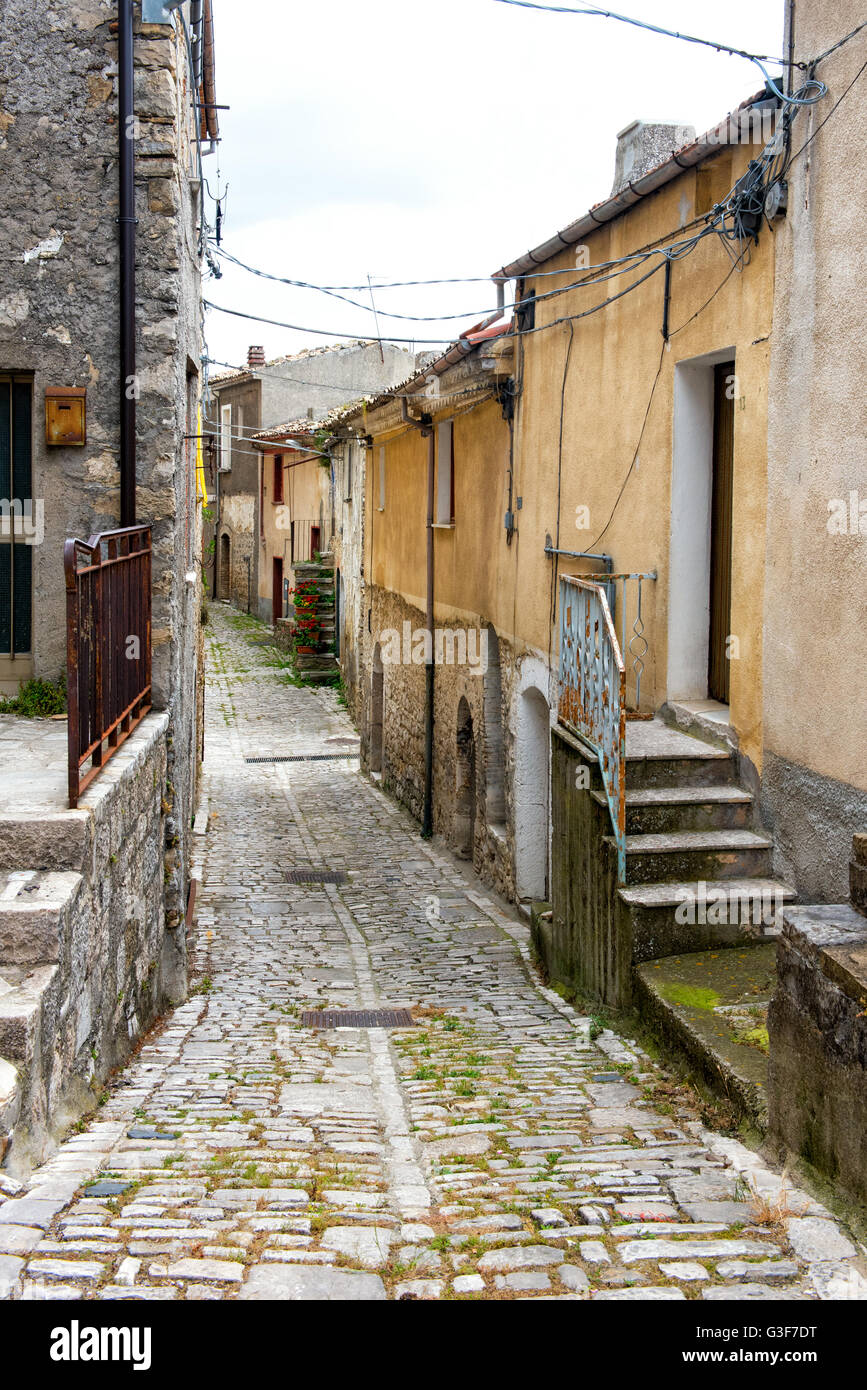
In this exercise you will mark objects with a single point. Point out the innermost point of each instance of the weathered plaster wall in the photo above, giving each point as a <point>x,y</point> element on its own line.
<point>816,638</point>
<point>308,500</point>
<point>614,360</point>
<point>349,552</point>
<point>327,378</point>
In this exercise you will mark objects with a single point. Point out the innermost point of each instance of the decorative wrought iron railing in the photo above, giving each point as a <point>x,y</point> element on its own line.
<point>592,702</point>
<point>108,646</point>
<point>634,645</point>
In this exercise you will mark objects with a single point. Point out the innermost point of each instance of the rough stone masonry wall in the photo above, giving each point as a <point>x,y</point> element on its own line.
<point>404,741</point>
<point>817,1023</point>
<point>59,316</point>
<point>118,967</point>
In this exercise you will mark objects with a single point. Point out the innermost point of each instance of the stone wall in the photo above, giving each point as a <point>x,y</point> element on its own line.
<point>817,1025</point>
<point>110,955</point>
<point>59,321</point>
<point>488,842</point>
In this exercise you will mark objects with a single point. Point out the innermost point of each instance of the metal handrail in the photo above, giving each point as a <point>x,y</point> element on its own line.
<point>592,699</point>
<point>637,645</point>
<point>108,608</point>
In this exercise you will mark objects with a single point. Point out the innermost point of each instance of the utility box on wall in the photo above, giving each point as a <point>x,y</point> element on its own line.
<point>65,415</point>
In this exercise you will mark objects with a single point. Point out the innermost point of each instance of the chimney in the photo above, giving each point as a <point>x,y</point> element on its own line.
<point>255,357</point>
<point>641,148</point>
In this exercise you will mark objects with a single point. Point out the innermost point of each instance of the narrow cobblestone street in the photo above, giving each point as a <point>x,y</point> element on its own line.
<point>493,1151</point>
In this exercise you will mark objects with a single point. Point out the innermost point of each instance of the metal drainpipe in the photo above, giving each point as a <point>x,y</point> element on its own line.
<point>126,225</point>
<point>425,427</point>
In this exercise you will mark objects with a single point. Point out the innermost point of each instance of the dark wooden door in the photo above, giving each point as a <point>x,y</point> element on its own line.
<point>719,664</point>
<point>17,518</point>
<point>314,541</point>
<point>277,594</point>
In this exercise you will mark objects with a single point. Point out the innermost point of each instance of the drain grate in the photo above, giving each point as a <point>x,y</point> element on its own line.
<point>357,1018</point>
<point>304,758</point>
<point>314,875</point>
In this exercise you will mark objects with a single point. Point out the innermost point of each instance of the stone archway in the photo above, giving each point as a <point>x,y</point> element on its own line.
<point>495,793</point>
<point>465,783</point>
<point>377,710</point>
<point>532,795</point>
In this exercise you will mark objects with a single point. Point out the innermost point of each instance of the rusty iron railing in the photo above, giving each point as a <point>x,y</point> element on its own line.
<point>108,646</point>
<point>592,702</point>
<point>634,646</point>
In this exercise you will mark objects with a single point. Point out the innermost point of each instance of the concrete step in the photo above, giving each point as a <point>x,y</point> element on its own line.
<point>711,1011</point>
<point>710,769</point>
<point>697,855</point>
<point>22,994</point>
<point>689,917</point>
<point>34,908</point>
<point>55,840</point>
<point>664,810</point>
<point>659,756</point>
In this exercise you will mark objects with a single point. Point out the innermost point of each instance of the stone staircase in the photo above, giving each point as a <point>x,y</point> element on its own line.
<point>36,915</point>
<point>690,823</point>
<point>320,667</point>
<point>701,906</point>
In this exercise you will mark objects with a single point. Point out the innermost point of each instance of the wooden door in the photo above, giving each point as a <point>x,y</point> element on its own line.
<point>277,592</point>
<point>719,664</point>
<point>314,541</point>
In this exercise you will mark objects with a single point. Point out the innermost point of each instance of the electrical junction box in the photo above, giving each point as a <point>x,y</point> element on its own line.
<point>65,415</point>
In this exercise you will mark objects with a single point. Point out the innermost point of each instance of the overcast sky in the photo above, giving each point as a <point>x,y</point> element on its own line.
<point>405,140</point>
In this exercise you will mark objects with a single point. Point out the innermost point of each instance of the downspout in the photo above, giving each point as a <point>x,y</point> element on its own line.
<point>126,224</point>
<point>425,427</point>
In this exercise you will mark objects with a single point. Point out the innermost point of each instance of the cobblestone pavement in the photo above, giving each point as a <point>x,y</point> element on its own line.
<point>493,1151</point>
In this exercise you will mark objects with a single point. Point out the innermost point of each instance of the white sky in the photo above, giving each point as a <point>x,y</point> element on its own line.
<point>412,140</point>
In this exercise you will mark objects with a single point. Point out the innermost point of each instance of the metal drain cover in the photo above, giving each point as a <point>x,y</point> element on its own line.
<point>314,875</point>
<point>357,1018</point>
<point>305,758</point>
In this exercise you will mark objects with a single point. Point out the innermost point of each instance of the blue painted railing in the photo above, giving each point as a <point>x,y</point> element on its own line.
<point>592,701</point>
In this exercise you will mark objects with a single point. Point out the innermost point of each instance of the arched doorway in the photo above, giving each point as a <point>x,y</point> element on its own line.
<point>532,795</point>
<point>495,796</point>
<point>465,783</point>
<point>225,549</point>
<point>377,703</point>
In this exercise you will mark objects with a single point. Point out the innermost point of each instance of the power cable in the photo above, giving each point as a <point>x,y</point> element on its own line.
<point>859,74</point>
<point>631,468</point>
<point>643,24</point>
<point>839,44</point>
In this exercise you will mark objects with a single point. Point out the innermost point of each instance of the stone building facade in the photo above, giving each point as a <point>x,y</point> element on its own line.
<point>60,330</point>
<point>815,714</point>
<point>268,399</point>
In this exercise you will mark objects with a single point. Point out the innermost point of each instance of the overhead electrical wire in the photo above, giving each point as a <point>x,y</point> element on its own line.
<point>634,258</point>
<point>759,59</point>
